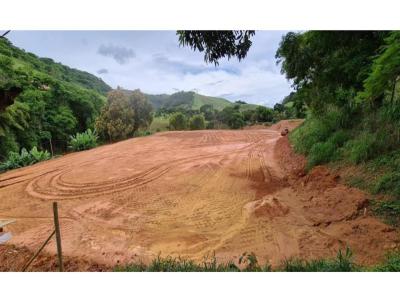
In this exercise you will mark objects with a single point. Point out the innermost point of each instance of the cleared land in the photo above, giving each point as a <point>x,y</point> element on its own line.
<point>190,194</point>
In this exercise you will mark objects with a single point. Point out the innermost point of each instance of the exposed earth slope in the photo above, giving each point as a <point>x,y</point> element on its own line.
<point>191,194</point>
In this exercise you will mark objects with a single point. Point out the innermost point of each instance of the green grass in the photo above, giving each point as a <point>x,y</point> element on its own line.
<point>160,123</point>
<point>343,262</point>
<point>218,103</point>
<point>390,264</point>
<point>388,210</point>
<point>170,264</point>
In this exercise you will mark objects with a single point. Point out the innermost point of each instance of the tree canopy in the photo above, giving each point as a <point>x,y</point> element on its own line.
<point>217,44</point>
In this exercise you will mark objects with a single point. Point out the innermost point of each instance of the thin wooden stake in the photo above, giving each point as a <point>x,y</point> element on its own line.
<point>38,251</point>
<point>58,236</point>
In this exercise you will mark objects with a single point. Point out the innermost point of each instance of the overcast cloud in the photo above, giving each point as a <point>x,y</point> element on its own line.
<point>153,62</point>
<point>120,54</point>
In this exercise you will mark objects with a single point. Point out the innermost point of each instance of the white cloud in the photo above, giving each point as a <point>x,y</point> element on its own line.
<point>161,66</point>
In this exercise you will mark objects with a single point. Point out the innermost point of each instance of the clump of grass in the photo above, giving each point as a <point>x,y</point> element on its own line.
<point>389,183</point>
<point>389,211</point>
<point>248,262</point>
<point>357,182</point>
<point>390,264</point>
<point>342,263</point>
<point>177,264</point>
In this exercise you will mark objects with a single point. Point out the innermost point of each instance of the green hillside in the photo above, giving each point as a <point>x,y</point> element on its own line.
<point>190,100</point>
<point>218,103</point>
<point>42,102</point>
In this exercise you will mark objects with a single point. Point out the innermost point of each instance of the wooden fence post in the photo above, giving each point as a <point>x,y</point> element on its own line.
<point>58,236</point>
<point>37,252</point>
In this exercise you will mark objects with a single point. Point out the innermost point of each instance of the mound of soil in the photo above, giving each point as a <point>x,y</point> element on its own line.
<point>267,208</point>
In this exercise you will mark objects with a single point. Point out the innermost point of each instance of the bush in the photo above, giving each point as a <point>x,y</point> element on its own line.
<point>328,151</point>
<point>178,121</point>
<point>311,132</point>
<point>320,153</point>
<point>143,133</point>
<point>197,122</point>
<point>339,138</point>
<point>361,148</point>
<point>25,158</point>
<point>83,141</point>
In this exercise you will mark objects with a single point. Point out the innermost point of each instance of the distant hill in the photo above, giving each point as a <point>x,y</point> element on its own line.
<point>29,61</point>
<point>190,100</point>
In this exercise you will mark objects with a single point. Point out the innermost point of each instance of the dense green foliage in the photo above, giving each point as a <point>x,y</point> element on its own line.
<point>178,121</point>
<point>217,44</point>
<point>143,110</point>
<point>235,116</point>
<point>219,112</point>
<point>23,159</point>
<point>348,83</point>
<point>83,141</point>
<point>29,62</point>
<point>123,115</point>
<point>54,101</point>
<point>197,122</point>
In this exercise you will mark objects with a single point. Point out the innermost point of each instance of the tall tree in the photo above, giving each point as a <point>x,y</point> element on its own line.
<point>385,71</point>
<point>142,110</point>
<point>116,120</point>
<point>217,44</point>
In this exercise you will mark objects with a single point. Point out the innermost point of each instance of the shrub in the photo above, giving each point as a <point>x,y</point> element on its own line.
<point>24,158</point>
<point>339,138</point>
<point>83,141</point>
<point>178,121</point>
<point>197,122</point>
<point>210,125</point>
<point>311,132</point>
<point>320,153</point>
<point>143,133</point>
<point>361,148</point>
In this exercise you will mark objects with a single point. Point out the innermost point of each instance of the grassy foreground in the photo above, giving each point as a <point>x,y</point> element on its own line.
<point>249,263</point>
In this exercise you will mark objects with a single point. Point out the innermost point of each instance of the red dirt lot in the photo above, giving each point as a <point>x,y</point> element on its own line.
<point>188,194</point>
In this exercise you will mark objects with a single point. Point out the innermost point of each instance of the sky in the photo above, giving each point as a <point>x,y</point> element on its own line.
<point>153,62</point>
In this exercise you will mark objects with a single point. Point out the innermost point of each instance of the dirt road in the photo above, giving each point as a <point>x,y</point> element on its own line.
<point>191,194</point>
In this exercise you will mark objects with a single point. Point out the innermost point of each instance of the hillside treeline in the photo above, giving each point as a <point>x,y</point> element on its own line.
<point>349,83</point>
<point>42,102</point>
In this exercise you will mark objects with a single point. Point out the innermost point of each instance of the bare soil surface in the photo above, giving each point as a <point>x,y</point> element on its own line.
<point>188,194</point>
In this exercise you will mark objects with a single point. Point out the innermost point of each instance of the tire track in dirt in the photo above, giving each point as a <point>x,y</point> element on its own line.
<point>187,194</point>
